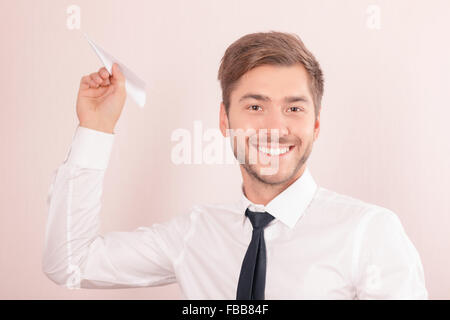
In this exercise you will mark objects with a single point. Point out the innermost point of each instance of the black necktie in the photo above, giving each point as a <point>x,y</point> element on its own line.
<point>252,280</point>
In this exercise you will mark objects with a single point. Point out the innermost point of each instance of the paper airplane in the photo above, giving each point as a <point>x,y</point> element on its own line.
<point>135,87</point>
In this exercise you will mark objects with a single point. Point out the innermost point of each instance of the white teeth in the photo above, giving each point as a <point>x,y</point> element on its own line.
<point>273,151</point>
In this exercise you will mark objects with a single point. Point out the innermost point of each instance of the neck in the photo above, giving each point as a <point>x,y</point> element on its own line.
<point>259,192</point>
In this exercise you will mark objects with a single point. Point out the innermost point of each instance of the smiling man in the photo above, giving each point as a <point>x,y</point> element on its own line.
<point>284,238</point>
<point>277,100</point>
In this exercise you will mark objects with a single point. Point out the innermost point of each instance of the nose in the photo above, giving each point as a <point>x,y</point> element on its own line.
<point>276,123</point>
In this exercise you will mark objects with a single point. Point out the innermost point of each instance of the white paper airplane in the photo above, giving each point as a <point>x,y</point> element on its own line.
<point>135,87</point>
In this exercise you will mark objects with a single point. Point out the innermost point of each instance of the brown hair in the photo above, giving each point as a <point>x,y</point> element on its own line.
<point>273,48</point>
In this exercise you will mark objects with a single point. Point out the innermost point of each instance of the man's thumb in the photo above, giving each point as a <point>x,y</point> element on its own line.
<point>117,74</point>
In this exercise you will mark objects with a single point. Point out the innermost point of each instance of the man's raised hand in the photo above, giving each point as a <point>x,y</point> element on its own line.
<point>101,98</point>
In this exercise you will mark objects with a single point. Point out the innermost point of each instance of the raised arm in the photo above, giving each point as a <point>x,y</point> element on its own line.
<point>75,254</point>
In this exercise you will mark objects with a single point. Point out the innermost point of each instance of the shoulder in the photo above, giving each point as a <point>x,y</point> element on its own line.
<point>342,206</point>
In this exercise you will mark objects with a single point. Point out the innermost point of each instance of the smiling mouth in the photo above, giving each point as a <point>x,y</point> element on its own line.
<point>271,152</point>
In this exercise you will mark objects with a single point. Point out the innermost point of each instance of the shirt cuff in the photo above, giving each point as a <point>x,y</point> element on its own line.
<point>90,149</point>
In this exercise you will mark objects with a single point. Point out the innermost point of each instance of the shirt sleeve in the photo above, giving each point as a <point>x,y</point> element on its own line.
<point>75,254</point>
<point>387,265</point>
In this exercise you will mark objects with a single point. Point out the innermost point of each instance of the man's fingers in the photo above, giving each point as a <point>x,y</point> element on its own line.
<point>96,77</point>
<point>104,73</point>
<point>118,76</point>
<point>101,77</point>
<point>96,92</point>
<point>84,80</point>
<point>106,82</point>
<point>95,80</point>
<point>87,82</point>
<point>92,83</point>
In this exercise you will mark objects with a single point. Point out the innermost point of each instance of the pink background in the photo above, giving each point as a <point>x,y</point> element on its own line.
<point>385,120</point>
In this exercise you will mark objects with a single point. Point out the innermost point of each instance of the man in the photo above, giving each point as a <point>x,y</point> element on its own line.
<point>285,238</point>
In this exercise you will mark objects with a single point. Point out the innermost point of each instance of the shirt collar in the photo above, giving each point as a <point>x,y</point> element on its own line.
<point>290,204</point>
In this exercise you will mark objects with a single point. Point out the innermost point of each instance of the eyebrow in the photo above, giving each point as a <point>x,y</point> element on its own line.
<point>261,97</point>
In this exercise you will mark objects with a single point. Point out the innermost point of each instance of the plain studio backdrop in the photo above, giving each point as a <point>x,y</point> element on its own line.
<point>384,124</point>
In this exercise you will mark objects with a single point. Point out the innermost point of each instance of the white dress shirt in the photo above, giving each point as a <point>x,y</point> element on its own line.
<point>321,244</point>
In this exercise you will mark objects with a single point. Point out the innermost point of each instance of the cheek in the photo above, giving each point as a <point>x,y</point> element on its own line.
<point>302,127</point>
<point>234,119</point>
<point>301,130</point>
<point>244,121</point>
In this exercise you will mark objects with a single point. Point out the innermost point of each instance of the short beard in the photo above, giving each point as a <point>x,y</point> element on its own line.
<point>254,173</point>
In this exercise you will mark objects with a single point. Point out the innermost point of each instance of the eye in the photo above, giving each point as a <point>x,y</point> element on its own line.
<point>254,107</point>
<point>295,109</point>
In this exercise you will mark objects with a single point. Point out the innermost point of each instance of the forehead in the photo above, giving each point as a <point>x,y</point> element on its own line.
<point>274,81</point>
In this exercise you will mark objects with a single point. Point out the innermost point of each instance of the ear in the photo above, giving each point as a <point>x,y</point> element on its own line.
<point>223,120</point>
<point>317,125</point>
